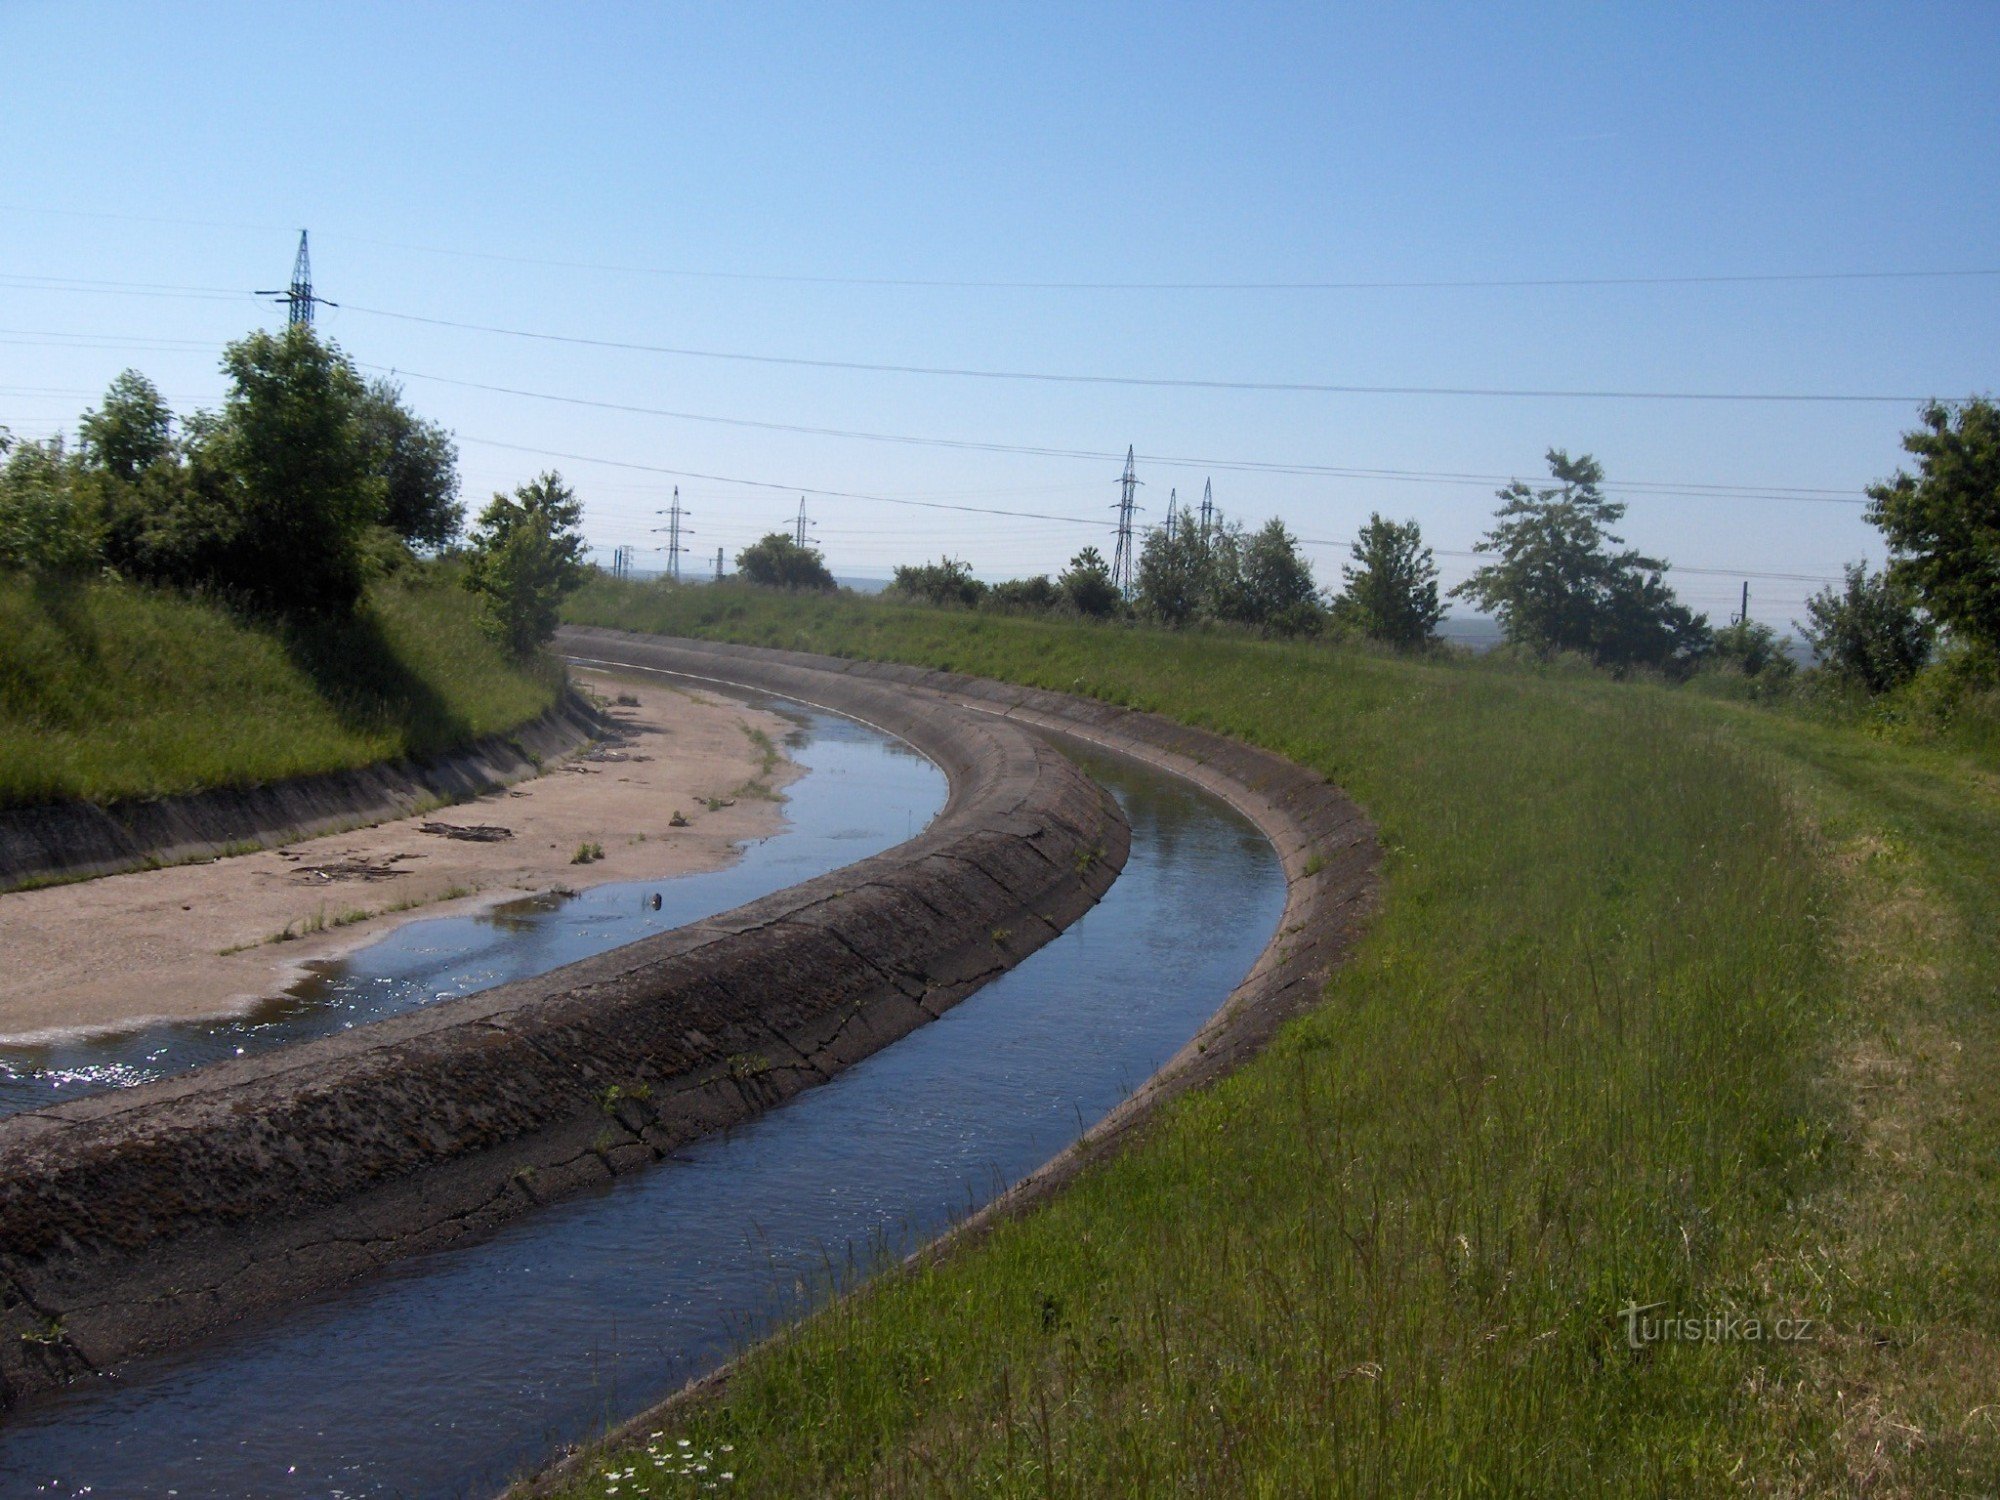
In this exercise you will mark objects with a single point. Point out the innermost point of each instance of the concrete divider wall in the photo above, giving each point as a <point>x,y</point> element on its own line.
<point>142,1218</point>
<point>1326,844</point>
<point>74,840</point>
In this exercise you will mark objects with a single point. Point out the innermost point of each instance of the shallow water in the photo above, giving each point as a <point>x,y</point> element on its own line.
<point>862,792</point>
<point>455,1372</point>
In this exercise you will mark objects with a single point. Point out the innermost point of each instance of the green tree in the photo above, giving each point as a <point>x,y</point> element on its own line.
<point>1943,523</point>
<point>285,474</point>
<point>526,558</point>
<point>417,463</point>
<point>1390,591</point>
<point>779,562</point>
<point>47,524</point>
<point>1751,648</point>
<point>130,432</point>
<point>1278,593</point>
<point>1035,595</point>
<point>1087,587</point>
<point>1869,631</point>
<point>1559,586</point>
<point>946,581</point>
<point>1171,584</point>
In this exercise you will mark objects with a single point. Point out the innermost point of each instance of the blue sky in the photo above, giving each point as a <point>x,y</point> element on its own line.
<point>731,178</point>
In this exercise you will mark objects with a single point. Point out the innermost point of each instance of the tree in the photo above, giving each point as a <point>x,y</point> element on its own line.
<point>1559,586</point>
<point>1390,590</point>
<point>1751,648</point>
<point>285,474</point>
<point>1943,524</point>
<point>47,525</point>
<point>1172,585</point>
<point>779,562</point>
<point>946,581</point>
<point>131,431</point>
<point>1278,593</point>
<point>1870,632</point>
<point>1087,587</point>
<point>417,463</point>
<point>526,557</point>
<point>1024,595</point>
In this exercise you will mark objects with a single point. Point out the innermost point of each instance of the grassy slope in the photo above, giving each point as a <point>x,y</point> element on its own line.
<point>1671,1001</point>
<point>111,691</point>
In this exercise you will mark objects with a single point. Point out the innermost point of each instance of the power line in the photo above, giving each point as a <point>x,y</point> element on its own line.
<point>1033,450</point>
<point>803,490</point>
<point>1748,278</point>
<point>1145,381</point>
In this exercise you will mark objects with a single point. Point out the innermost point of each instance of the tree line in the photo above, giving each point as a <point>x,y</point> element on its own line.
<point>307,482</point>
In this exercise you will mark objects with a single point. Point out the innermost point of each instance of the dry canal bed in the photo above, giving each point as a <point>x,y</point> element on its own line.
<point>861,793</point>
<point>452,1373</point>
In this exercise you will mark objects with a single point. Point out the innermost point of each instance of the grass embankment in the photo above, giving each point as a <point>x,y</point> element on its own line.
<point>111,690</point>
<point>1670,1002</point>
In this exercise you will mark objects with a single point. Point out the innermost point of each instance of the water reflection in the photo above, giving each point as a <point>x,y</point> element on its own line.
<point>862,792</point>
<point>453,1373</point>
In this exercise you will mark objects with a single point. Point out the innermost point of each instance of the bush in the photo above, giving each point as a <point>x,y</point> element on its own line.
<point>1037,595</point>
<point>946,581</point>
<point>1869,632</point>
<point>779,562</point>
<point>47,524</point>
<point>1087,587</point>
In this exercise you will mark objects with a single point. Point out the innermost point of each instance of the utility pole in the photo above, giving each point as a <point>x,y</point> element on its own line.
<point>298,297</point>
<point>803,522</point>
<point>1121,557</point>
<point>1207,508</point>
<point>1172,497</point>
<point>1743,616</point>
<point>718,565</point>
<point>674,532</point>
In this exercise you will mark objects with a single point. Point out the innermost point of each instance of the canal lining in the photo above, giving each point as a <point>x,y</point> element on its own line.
<point>138,1220</point>
<point>1325,844</point>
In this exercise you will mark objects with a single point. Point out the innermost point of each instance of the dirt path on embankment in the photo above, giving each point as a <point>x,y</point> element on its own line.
<point>203,940</point>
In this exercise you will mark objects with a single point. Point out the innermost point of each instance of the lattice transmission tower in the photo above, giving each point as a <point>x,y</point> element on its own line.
<point>675,531</point>
<point>1121,557</point>
<point>298,297</point>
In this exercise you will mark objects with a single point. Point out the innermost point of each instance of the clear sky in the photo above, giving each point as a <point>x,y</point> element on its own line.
<point>744,179</point>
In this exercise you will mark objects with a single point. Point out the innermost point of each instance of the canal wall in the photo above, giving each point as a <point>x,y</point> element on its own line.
<point>140,1219</point>
<point>79,840</point>
<point>1327,847</point>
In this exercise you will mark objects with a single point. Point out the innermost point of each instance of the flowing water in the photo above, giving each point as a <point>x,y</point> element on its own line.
<point>862,792</point>
<point>451,1374</point>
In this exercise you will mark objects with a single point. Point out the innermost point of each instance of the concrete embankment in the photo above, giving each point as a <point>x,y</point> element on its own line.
<point>76,840</point>
<point>141,1219</point>
<point>1327,846</point>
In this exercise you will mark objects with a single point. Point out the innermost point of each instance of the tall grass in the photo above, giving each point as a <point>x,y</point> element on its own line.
<point>1589,1055</point>
<point>110,690</point>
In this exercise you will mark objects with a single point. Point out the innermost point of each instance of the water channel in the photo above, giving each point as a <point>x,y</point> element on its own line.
<point>862,792</point>
<point>450,1374</point>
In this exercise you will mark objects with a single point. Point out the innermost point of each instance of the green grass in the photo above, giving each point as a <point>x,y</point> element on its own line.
<point>1670,1001</point>
<point>110,690</point>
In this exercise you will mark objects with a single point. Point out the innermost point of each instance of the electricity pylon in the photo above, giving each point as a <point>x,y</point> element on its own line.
<point>1121,557</point>
<point>298,297</point>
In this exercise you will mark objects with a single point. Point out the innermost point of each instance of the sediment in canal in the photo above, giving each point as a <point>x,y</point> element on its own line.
<point>80,840</point>
<point>144,1218</point>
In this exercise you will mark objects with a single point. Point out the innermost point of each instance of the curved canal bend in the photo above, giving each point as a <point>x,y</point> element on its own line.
<point>452,1373</point>
<point>862,791</point>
